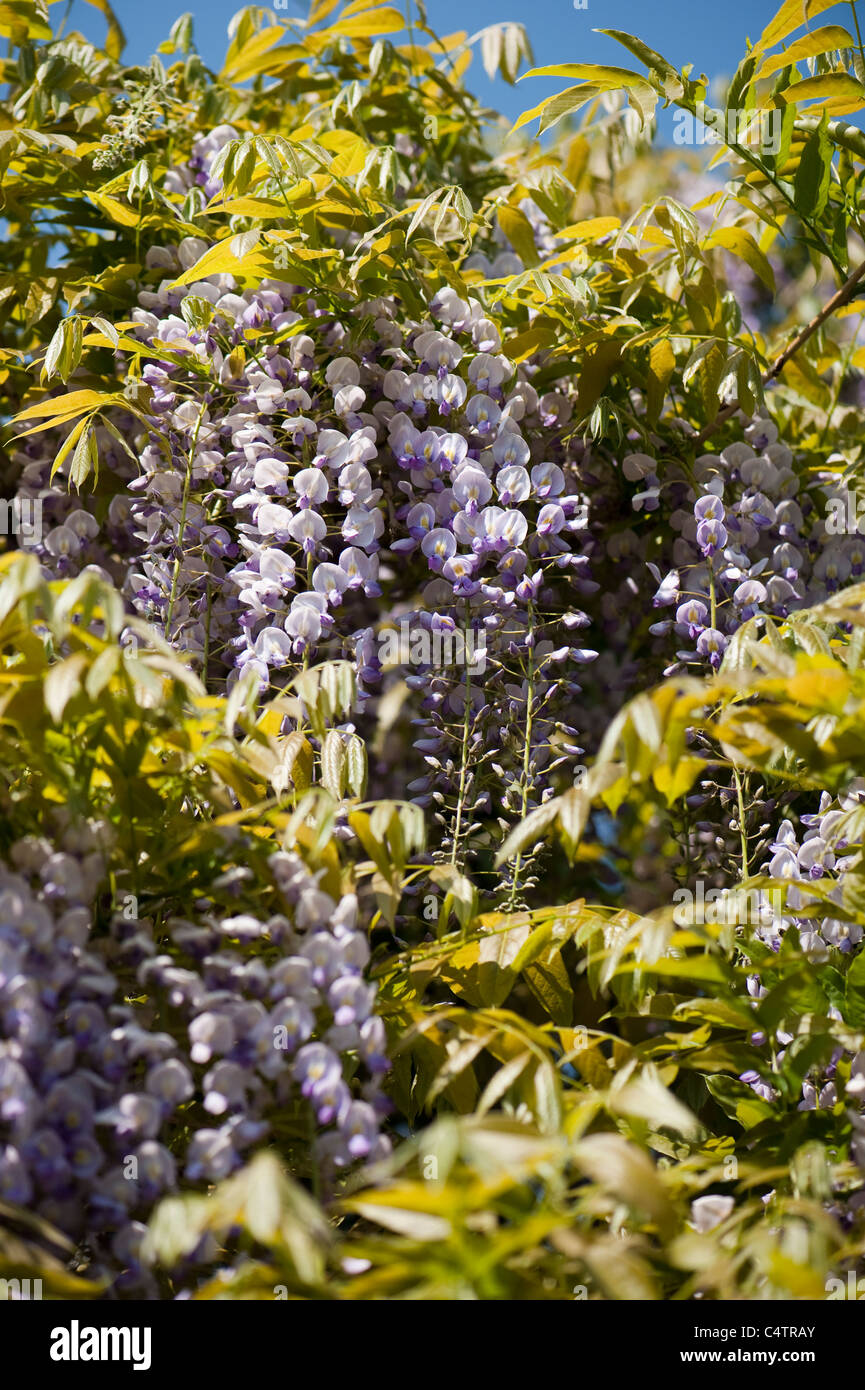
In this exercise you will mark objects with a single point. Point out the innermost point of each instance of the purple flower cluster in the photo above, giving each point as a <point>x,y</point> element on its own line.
<point>750,539</point>
<point>105,1105</point>
<point>197,172</point>
<point>271,1007</point>
<point>820,855</point>
<point>306,476</point>
<point>305,485</point>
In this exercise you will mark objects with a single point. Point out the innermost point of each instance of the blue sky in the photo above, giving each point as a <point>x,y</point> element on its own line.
<point>710,36</point>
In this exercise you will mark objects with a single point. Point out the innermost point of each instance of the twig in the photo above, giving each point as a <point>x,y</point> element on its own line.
<point>838,300</point>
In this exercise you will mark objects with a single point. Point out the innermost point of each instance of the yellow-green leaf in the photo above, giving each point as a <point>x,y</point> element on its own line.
<point>662,364</point>
<point>823,40</point>
<point>62,682</point>
<point>838,93</point>
<point>385,20</point>
<point>791,16</point>
<point>518,230</point>
<point>743,245</point>
<point>73,403</point>
<point>116,39</point>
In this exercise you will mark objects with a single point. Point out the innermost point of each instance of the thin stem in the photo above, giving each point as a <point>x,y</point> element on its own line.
<point>743,838</point>
<point>464,752</point>
<point>527,750</point>
<point>62,26</point>
<point>187,486</point>
<point>138,224</point>
<point>838,300</point>
<point>858,32</point>
<point>207,620</point>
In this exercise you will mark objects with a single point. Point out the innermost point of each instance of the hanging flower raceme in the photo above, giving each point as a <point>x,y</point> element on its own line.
<point>105,1105</point>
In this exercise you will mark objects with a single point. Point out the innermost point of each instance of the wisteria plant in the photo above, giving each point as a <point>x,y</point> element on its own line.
<point>432,625</point>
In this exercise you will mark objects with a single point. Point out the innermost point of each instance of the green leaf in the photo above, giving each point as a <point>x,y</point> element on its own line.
<point>596,79</point>
<point>333,764</point>
<point>791,16</point>
<point>788,125</point>
<point>483,970</point>
<point>654,61</point>
<point>356,765</point>
<point>792,997</point>
<point>823,40</point>
<point>662,364</point>
<point>811,186</point>
<point>103,326</point>
<point>384,20</point>
<point>461,896</point>
<point>62,683</point>
<point>22,18</point>
<point>741,81</point>
<point>743,245</point>
<point>548,1103</point>
<point>738,1101</point>
<point>116,39</point>
<point>65,407</point>
<point>518,230</point>
<point>424,208</point>
<point>529,831</point>
<point>101,672</point>
<point>838,93</point>
<point>413,1225</point>
<point>549,983</point>
<point>589,72</point>
<point>57,354</point>
<point>683,217</point>
<point>749,383</point>
<point>646,1097</point>
<point>85,459</point>
<point>501,1083</point>
<point>624,1169</point>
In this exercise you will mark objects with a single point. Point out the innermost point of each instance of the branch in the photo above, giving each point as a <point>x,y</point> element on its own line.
<point>838,300</point>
